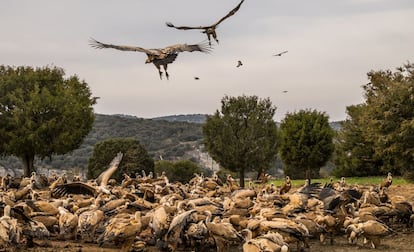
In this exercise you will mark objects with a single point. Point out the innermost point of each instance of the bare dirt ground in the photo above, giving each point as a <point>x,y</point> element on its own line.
<point>401,242</point>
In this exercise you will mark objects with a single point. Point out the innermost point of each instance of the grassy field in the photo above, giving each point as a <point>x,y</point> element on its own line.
<point>349,181</point>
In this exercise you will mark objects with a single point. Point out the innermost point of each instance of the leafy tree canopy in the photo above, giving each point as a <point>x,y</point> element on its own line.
<point>41,113</point>
<point>390,117</point>
<point>243,135</point>
<point>378,136</point>
<point>355,154</point>
<point>306,142</point>
<point>135,158</point>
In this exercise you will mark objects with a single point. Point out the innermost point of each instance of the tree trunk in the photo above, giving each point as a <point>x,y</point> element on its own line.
<point>28,165</point>
<point>242,178</point>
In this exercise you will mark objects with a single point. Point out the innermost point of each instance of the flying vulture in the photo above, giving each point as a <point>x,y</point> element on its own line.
<point>280,54</point>
<point>211,29</point>
<point>158,56</point>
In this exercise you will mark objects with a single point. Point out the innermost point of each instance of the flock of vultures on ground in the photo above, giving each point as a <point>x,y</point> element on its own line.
<point>207,214</point>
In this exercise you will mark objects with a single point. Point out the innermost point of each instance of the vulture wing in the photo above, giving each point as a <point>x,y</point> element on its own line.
<point>73,188</point>
<point>202,47</point>
<point>99,45</point>
<point>16,212</point>
<point>280,54</point>
<point>231,13</point>
<point>169,24</point>
<point>103,178</point>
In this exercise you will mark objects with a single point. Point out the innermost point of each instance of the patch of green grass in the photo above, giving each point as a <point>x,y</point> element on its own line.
<point>349,181</point>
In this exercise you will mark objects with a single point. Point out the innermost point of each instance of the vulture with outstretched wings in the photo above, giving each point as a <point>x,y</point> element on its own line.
<point>159,56</point>
<point>87,189</point>
<point>280,54</point>
<point>211,29</point>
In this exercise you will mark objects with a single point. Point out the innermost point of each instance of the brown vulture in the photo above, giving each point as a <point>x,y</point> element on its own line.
<point>280,54</point>
<point>210,30</point>
<point>158,56</point>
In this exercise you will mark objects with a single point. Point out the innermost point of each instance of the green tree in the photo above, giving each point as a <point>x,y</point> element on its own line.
<point>243,135</point>
<point>135,159</point>
<point>41,113</point>
<point>306,142</point>
<point>355,154</point>
<point>390,117</point>
<point>179,171</point>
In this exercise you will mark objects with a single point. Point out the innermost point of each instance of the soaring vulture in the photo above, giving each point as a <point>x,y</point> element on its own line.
<point>84,188</point>
<point>158,56</point>
<point>210,30</point>
<point>280,54</point>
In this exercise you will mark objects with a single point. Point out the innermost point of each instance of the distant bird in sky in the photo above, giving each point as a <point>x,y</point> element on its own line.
<point>284,91</point>
<point>211,29</point>
<point>239,63</point>
<point>159,56</point>
<point>280,54</point>
<point>196,78</point>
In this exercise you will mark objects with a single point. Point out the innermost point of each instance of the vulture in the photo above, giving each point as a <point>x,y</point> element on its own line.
<point>386,182</point>
<point>223,233</point>
<point>68,223</point>
<point>122,231</point>
<point>291,230</point>
<point>280,54</point>
<point>88,222</point>
<point>372,230</point>
<point>209,30</point>
<point>84,188</point>
<point>336,200</point>
<point>286,186</point>
<point>9,230</point>
<point>271,241</point>
<point>175,233</point>
<point>157,56</point>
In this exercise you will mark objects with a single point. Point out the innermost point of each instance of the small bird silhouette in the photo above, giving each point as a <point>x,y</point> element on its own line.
<point>280,54</point>
<point>239,63</point>
<point>284,91</point>
<point>196,78</point>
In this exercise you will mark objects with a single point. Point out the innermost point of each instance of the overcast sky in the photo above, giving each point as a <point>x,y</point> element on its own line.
<point>331,46</point>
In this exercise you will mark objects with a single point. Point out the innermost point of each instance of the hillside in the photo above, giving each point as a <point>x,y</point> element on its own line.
<point>163,139</point>
<point>170,138</point>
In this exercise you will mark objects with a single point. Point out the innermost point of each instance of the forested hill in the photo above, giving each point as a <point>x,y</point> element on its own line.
<point>170,138</point>
<point>162,138</point>
<point>192,118</point>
